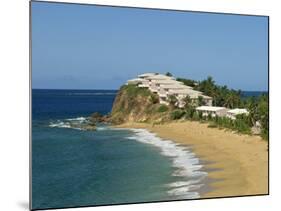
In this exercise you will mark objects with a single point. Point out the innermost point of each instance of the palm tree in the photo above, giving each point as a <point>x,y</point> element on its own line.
<point>222,93</point>
<point>201,101</point>
<point>210,81</point>
<point>214,93</point>
<point>253,110</point>
<point>207,86</point>
<point>232,99</point>
<point>169,74</point>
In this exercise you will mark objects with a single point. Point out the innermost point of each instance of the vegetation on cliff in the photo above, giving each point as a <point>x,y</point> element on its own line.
<point>137,104</point>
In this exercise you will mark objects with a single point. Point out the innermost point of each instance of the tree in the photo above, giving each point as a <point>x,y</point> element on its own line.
<point>253,110</point>
<point>222,92</point>
<point>169,74</point>
<point>232,99</point>
<point>214,93</point>
<point>201,101</point>
<point>207,86</point>
<point>187,82</point>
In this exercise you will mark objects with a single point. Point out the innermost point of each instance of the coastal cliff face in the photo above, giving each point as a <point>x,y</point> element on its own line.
<point>134,104</point>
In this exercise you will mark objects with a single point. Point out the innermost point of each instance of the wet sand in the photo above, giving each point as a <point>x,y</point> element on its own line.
<point>238,163</point>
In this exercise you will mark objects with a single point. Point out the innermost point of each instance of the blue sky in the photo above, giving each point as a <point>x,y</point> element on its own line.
<point>94,47</point>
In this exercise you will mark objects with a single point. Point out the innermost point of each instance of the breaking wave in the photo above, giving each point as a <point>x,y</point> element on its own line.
<point>79,123</point>
<point>74,123</point>
<point>186,163</point>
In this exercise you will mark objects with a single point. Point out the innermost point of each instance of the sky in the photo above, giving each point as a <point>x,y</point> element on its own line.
<point>94,47</point>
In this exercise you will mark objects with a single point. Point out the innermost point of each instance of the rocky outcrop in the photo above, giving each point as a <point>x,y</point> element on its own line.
<point>134,104</point>
<point>98,118</point>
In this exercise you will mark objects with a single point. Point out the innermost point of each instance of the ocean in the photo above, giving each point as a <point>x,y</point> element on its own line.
<point>246,94</point>
<point>74,167</point>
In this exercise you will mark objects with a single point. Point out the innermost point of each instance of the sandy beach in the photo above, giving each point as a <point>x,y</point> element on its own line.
<point>237,163</point>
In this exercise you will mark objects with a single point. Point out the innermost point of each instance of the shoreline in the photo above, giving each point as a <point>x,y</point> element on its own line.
<point>236,164</point>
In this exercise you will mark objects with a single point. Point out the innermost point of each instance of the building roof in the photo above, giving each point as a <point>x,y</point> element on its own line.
<point>160,77</point>
<point>135,79</point>
<point>165,82</point>
<point>147,75</point>
<point>175,86</point>
<point>186,91</point>
<point>210,108</point>
<point>237,111</point>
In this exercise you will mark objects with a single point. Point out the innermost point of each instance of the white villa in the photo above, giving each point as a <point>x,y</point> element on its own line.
<point>221,111</point>
<point>212,110</point>
<point>166,86</point>
<point>234,112</point>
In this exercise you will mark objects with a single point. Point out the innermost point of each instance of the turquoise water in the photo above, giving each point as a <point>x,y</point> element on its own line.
<point>72,167</point>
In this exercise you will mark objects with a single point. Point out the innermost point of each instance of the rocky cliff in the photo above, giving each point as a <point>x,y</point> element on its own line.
<point>134,104</point>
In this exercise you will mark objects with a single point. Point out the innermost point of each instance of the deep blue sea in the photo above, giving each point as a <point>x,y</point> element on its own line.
<point>73,167</point>
<point>245,94</point>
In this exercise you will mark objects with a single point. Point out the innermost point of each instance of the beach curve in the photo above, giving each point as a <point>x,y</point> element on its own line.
<point>238,164</point>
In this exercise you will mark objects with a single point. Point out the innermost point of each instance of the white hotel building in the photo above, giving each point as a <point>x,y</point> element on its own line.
<point>166,86</point>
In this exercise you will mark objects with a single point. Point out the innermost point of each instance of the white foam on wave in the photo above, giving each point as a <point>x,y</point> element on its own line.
<point>102,128</point>
<point>77,119</point>
<point>182,183</point>
<point>186,163</point>
<point>73,123</point>
<point>60,124</point>
<point>184,190</point>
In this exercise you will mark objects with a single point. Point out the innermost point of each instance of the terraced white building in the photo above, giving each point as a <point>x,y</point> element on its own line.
<point>166,86</point>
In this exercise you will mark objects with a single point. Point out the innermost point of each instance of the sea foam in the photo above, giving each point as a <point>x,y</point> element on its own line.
<point>73,123</point>
<point>187,165</point>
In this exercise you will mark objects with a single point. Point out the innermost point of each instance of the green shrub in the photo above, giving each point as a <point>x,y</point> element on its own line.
<point>162,108</point>
<point>177,114</point>
<point>195,116</point>
<point>133,90</point>
<point>189,112</point>
<point>200,115</point>
<point>241,126</point>
<point>265,134</point>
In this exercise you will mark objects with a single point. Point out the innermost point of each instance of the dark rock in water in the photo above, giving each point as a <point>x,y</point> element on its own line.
<point>88,125</point>
<point>97,118</point>
<point>105,118</point>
